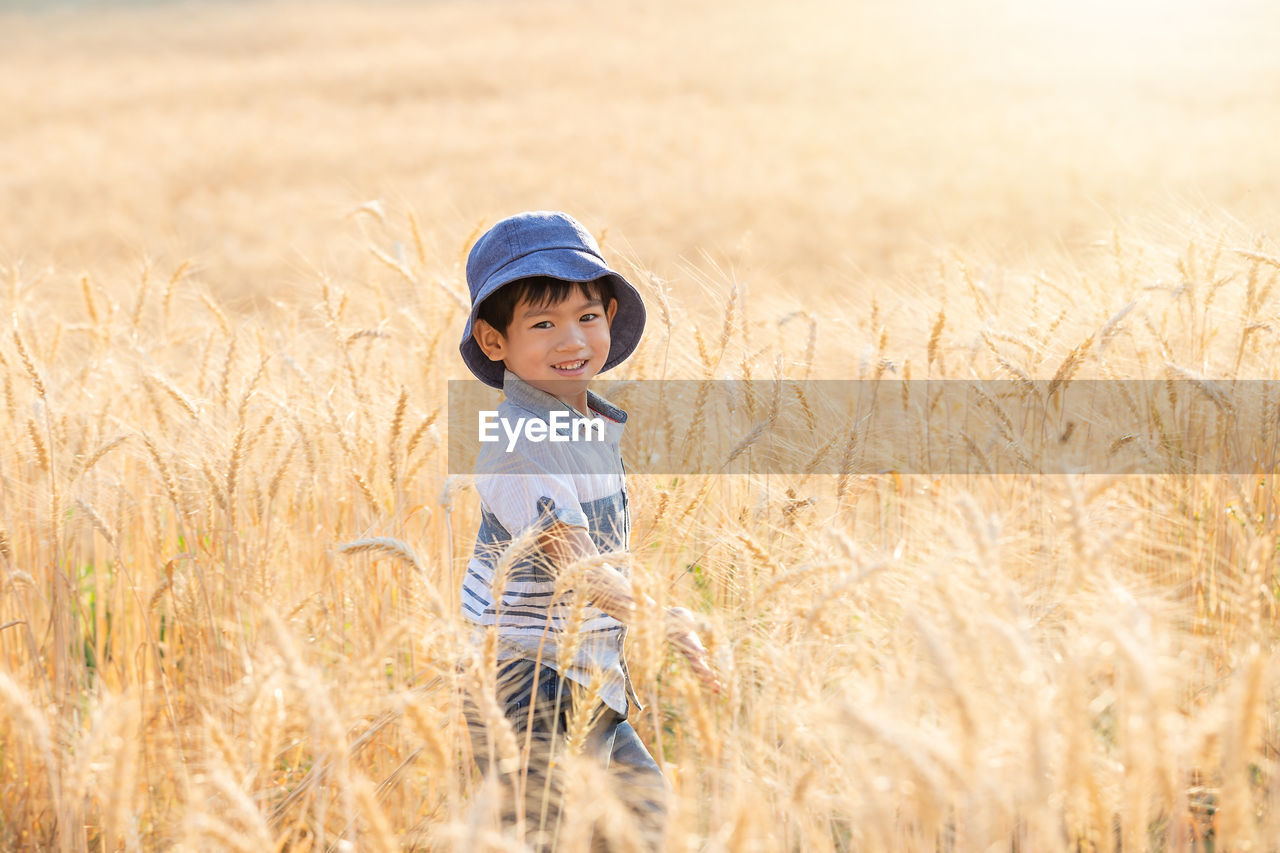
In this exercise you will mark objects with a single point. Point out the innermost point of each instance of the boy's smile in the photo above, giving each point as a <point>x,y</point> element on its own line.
<point>556,348</point>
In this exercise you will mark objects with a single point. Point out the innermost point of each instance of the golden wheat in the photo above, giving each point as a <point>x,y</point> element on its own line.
<point>913,661</point>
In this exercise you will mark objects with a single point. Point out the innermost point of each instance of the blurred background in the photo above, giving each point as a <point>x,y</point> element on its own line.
<point>827,147</point>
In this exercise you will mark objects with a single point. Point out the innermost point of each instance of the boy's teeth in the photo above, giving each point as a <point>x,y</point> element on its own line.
<point>571,365</point>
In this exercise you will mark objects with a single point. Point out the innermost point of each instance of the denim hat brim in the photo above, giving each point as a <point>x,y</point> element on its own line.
<point>571,265</point>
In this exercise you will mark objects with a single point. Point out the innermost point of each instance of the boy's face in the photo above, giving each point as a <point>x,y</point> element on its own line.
<point>555,348</point>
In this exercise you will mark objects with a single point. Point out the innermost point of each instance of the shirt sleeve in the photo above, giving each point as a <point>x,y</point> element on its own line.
<point>525,490</point>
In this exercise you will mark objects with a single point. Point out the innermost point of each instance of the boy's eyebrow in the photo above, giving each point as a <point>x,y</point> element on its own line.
<point>591,302</point>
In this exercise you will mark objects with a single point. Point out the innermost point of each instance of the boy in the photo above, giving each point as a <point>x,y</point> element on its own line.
<point>548,314</point>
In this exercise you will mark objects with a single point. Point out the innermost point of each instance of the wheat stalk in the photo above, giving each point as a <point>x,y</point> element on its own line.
<point>1062,377</point>
<point>385,546</point>
<point>397,424</point>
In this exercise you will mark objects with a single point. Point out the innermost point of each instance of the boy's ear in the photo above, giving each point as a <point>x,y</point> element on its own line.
<point>488,338</point>
<point>610,311</point>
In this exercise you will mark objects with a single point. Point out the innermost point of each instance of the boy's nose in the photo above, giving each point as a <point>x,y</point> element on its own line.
<point>572,339</point>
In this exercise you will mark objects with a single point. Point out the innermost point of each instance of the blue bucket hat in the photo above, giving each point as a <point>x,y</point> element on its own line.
<point>544,243</point>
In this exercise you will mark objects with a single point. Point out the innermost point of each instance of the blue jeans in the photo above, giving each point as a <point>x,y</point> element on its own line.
<point>539,705</point>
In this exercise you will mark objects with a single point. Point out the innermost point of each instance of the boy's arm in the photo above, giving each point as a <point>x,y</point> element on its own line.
<point>611,591</point>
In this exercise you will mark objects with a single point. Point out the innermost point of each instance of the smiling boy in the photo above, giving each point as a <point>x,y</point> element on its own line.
<point>547,315</point>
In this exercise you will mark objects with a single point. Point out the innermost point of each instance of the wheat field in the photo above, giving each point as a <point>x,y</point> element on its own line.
<point>231,545</point>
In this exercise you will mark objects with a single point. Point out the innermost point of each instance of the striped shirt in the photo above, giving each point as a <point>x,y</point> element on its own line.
<point>524,490</point>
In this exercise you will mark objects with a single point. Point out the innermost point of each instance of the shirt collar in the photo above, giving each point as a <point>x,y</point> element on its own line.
<point>540,402</point>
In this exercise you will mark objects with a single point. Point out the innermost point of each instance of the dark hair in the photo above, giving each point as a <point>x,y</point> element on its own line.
<point>541,291</point>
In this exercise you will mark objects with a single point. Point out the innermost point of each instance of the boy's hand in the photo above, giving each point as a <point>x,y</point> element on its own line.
<point>611,592</point>
<point>681,631</point>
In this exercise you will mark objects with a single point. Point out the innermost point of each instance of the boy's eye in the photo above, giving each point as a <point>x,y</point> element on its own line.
<point>545,324</point>
<point>589,317</point>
